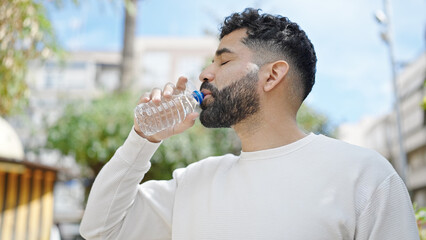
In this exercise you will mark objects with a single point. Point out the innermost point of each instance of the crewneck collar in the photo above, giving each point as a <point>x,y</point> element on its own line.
<point>279,151</point>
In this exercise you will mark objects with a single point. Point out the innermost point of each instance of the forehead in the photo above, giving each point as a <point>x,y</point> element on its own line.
<point>233,42</point>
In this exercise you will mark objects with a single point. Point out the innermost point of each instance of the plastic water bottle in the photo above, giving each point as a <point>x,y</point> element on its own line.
<point>153,118</point>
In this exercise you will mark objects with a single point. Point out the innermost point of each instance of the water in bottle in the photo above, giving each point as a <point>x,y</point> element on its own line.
<point>153,118</point>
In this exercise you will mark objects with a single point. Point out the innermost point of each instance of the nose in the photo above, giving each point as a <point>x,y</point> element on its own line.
<point>207,75</point>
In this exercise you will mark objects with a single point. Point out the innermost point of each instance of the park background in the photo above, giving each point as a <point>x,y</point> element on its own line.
<point>66,102</point>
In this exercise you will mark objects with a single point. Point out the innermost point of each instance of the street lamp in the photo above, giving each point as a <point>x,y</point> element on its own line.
<point>383,18</point>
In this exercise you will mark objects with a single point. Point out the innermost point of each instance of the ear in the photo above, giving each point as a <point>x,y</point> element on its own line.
<point>277,71</point>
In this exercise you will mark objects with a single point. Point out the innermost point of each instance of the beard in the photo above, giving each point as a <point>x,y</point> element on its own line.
<point>232,104</point>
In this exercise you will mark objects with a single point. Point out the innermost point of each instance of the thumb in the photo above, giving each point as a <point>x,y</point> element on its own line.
<point>187,123</point>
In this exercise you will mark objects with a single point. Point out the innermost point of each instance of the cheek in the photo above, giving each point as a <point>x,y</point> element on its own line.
<point>232,73</point>
<point>251,67</point>
<point>224,79</point>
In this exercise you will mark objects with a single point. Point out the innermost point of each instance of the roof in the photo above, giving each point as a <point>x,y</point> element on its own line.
<point>11,165</point>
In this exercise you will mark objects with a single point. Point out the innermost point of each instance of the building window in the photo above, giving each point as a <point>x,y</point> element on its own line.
<point>72,75</point>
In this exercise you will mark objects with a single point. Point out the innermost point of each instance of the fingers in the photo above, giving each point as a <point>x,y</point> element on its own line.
<point>145,98</point>
<point>187,123</point>
<point>181,83</point>
<point>190,119</point>
<point>156,96</point>
<point>168,91</point>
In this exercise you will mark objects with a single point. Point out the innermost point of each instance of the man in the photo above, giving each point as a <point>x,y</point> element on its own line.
<point>285,184</point>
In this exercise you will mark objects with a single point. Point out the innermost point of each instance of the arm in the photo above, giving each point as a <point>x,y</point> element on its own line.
<point>389,214</point>
<point>117,203</point>
<point>120,208</point>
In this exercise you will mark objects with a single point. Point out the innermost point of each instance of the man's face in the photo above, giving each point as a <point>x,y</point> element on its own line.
<point>232,104</point>
<point>230,84</point>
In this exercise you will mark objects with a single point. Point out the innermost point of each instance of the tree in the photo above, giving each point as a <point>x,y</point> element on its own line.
<point>25,34</point>
<point>420,214</point>
<point>313,121</point>
<point>92,131</point>
<point>127,68</point>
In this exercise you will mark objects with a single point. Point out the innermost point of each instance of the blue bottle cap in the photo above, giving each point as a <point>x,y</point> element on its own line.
<point>199,96</point>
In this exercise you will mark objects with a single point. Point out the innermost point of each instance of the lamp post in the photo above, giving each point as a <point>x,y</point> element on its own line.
<point>384,19</point>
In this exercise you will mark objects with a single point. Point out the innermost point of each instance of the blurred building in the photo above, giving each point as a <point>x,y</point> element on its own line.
<point>26,191</point>
<point>84,75</point>
<point>162,60</point>
<point>380,133</point>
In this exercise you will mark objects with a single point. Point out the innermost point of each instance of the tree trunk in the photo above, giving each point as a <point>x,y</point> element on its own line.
<point>127,69</point>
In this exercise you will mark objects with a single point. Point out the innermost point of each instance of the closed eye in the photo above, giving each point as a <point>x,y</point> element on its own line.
<point>224,63</point>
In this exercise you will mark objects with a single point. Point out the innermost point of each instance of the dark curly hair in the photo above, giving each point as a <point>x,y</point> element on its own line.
<point>276,38</point>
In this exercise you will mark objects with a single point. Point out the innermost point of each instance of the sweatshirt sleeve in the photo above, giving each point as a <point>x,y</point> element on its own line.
<point>119,207</point>
<point>389,214</point>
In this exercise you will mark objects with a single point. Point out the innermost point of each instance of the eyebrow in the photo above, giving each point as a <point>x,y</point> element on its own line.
<point>222,51</point>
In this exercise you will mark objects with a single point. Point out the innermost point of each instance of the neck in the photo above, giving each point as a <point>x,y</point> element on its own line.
<point>275,131</point>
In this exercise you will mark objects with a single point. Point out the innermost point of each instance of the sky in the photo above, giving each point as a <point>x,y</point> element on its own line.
<point>353,78</point>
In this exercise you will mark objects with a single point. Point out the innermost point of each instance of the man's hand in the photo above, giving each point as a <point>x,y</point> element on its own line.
<point>156,96</point>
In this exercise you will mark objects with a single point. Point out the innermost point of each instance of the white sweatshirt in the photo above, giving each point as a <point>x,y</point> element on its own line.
<point>315,188</point>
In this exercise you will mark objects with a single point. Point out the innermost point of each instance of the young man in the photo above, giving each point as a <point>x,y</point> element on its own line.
<point>285,184</point>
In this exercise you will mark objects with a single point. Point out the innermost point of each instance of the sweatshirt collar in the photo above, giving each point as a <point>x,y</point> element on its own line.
<point>279,151</point>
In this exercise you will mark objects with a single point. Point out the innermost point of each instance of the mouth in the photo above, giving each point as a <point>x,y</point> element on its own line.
<point>209,92</point>
<point>206,92</point>
<point>208,98</point>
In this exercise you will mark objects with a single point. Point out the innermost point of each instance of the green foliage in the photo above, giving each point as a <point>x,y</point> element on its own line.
<point>424,103</point>
<point>60,4</point>
<point>312,121</point>
<point>25,34</point>
<point>421,220</point>
<point>92,131</point>
<point>424,96</point>
<point>130,6</point>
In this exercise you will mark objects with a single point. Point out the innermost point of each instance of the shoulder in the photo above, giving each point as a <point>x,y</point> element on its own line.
<point>359,167</point>
<point>362,168</point>
<point>354,156</point>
